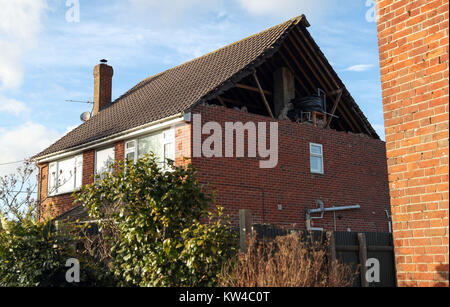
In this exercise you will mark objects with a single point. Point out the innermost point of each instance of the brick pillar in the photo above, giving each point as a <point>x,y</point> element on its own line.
<point>414,56</point>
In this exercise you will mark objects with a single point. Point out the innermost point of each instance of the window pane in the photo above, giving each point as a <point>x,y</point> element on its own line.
<point>79,172</point>
<point>169,152</point>
<point>151,144</point>
<point>317,150</point>
<point>130,156</point>
<point>104,160</point>
<point>53,168</point>
<point>131,145</point>
<point>169,135</point>
<point>316,164</point>
<point>66,176</point>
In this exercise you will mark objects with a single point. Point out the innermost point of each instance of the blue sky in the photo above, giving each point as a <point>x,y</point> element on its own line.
<point>47,56</point>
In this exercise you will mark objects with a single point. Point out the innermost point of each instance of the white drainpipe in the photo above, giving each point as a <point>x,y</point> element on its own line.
<point>322,211</point>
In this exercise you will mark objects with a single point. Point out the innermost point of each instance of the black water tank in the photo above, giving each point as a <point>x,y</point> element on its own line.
<point>310,104</point>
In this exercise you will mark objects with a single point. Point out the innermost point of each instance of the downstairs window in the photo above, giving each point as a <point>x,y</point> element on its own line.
<point>65,176</point>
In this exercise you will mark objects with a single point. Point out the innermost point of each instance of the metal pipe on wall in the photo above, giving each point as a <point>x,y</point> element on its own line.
<point>322,211</point>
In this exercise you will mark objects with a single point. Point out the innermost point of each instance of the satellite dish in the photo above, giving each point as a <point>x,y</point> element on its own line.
<point>85,116</point>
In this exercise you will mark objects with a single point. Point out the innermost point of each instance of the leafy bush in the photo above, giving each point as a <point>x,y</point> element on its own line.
<point>30,256</point>
<point>33,254</point>
<point>158,224</point>
<point>289,261</point>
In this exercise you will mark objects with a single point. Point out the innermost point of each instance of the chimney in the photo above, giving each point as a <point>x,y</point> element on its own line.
<point>284,91</point>
<point>103,74</point>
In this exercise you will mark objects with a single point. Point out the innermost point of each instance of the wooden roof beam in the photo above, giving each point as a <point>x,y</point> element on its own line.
<point>330,75</point>
<point>263,96</point>
<point>251,88</point>
<point>346,113</point>
<point>336,103</point>
<point>221,100</point>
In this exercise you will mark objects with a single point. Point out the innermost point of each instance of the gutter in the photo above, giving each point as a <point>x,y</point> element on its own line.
<point>131,133</point>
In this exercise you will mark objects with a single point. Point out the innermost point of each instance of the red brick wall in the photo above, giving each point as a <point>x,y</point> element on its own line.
<point>183,144</point>
<point>355,173</point>
<point>414,54</point>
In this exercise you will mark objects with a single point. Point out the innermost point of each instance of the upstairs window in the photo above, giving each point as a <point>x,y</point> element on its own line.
<point>65,176</point>
<point>104,160</point>
<point>161,144</point>
<point>130,151</point>
<point>316,156</point>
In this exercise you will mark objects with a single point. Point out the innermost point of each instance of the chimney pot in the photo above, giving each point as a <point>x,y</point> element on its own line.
<point>103,74</point>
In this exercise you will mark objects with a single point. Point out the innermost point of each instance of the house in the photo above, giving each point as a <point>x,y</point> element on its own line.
<point>326,151</point>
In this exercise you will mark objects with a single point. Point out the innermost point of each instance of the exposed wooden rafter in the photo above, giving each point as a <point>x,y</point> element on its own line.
<point>263,96</point>
<point>361,126</point>
<point>251,88</point>
<point>222,102</point>
<point>300,54</point>
<point>336,103</point>
<point>346,114</point>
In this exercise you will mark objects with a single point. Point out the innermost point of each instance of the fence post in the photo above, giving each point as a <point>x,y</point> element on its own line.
<point>332,248</point>
<point>331,252</point>
<point>245,228</point>
<point>363,258</point>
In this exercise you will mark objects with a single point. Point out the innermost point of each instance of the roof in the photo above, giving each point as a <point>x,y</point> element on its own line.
<point>180,88</point>
<point>175,90</point>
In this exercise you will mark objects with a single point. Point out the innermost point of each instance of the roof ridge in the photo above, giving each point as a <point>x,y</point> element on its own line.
<point>296,20</point>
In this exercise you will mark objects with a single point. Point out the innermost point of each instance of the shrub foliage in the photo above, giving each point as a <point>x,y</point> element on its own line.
<point>34,254</point>
<point>159,225</point>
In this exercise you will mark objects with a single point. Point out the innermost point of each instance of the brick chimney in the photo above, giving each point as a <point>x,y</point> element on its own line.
<point>103,74</point>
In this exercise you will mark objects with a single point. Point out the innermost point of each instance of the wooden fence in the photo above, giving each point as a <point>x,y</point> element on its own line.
<point>360,250</point>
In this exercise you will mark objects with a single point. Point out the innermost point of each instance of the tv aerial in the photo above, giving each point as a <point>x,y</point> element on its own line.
<point>85,116</point>
<point>78,101</point>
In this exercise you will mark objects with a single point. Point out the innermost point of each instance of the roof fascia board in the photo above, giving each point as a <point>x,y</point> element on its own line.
<point>129,134</point>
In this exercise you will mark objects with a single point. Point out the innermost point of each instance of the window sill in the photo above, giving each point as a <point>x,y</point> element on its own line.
<point>317,173</point>
<point>61,194</point>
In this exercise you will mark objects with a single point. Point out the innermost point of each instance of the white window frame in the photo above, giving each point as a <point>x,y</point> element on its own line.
<point>165,141</point>
<point>102,149</point>
<point>311,155</point>
<point>78,176</point>
<point>132,150</point>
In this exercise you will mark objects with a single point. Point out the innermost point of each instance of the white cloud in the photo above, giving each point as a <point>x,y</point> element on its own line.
<point>23,142</point>
<point>128,44</point>
<point>11,69</point>
<point>285,8</point>
<point>173,10</point>
<point>12,106</point>
<point>20,22</point>
<point>360,67</point>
